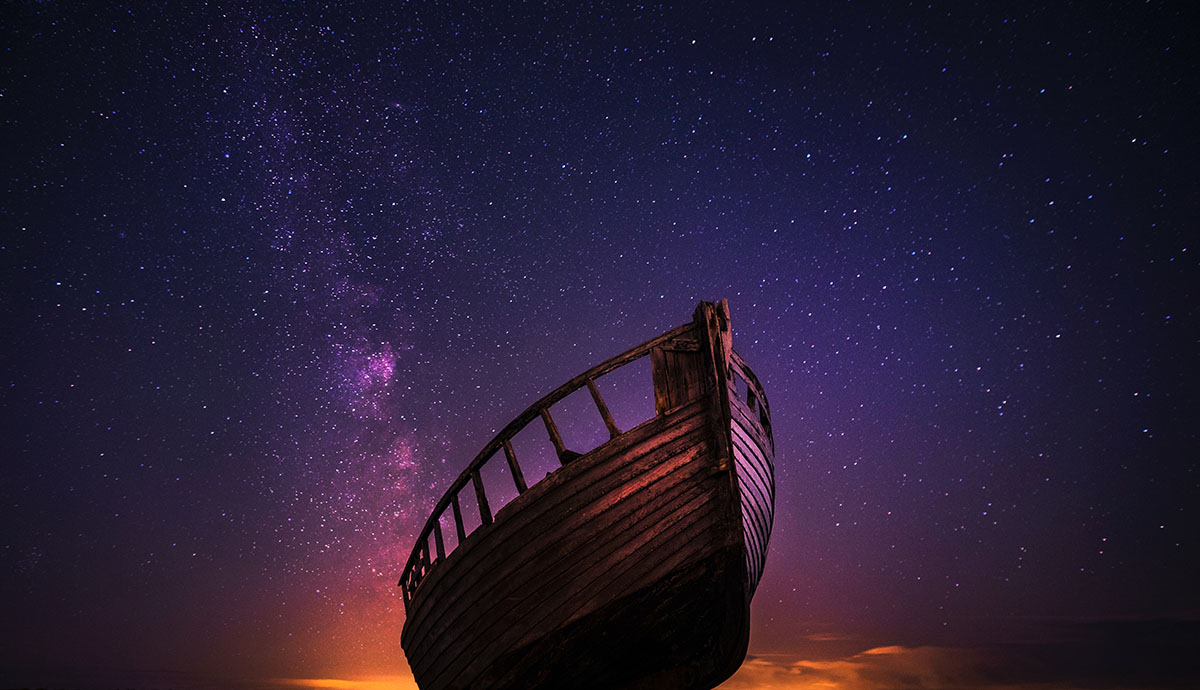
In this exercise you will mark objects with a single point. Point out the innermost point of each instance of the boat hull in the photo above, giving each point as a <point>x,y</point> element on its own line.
<point>569,571</point>
<point>632,566</point>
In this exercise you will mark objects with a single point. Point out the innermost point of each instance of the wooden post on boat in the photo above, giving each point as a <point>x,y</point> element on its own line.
<point>712,321</point>
<point>518,476</point>
<point>613,431</point>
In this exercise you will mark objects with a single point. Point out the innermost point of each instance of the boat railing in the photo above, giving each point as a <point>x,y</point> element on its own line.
<point>424,555</point>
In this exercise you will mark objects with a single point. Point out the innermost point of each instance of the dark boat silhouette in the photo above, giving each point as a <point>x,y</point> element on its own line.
<point>630,566</point>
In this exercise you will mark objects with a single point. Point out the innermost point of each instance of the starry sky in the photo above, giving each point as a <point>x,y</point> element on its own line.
<point>272,273</point>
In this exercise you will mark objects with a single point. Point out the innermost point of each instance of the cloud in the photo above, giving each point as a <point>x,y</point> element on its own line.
<point>892,667</point>
<point>1107,655</point>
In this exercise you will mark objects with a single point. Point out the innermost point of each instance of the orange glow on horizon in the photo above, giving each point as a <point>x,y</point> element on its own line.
<point>880,668</point>
<point>405,682</point>
<point>889,667</point>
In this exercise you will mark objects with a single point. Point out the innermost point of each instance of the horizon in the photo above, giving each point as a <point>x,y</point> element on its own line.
<point>1155,656</point>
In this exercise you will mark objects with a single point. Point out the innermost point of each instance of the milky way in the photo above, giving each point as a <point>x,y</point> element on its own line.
<point>273,275</point>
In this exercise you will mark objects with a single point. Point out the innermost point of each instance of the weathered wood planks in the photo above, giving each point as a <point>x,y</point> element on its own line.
<point>754,456</point>
<point>534,513</point>
<point>592,540</point>
<point>631,566</point>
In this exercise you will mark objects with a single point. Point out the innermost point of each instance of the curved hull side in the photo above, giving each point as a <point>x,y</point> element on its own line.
<point>560,577</point>
<point>754,460</point>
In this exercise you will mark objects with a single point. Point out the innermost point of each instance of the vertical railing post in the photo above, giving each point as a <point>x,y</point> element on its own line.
<point>518,476</point>
<point>437,540</point>
<point>485,513</point>
<point>613,431</point>
<point>458,521</point>
<point>564,456</point>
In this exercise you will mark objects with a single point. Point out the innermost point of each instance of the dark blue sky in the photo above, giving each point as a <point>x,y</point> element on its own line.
<point>272,275</point>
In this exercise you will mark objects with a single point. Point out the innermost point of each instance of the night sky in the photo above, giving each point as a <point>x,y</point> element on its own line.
<point>272,273</point>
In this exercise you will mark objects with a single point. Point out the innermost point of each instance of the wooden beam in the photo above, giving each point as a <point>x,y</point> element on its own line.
<point>485,513</point>
<point>518,476</point>
<point>564,456</point>
<point>712,324</point>
<point>458,521</point>
<point>613,431</point>
<point>437,540</point>
<point>662,383</point>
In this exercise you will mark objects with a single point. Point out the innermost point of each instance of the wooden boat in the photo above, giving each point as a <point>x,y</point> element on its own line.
<point>630,566</point>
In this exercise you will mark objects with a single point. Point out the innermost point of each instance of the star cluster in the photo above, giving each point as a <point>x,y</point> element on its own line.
<point>273,273</point>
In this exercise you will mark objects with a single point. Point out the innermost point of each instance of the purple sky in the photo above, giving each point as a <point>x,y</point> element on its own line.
<point>272,275</point>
